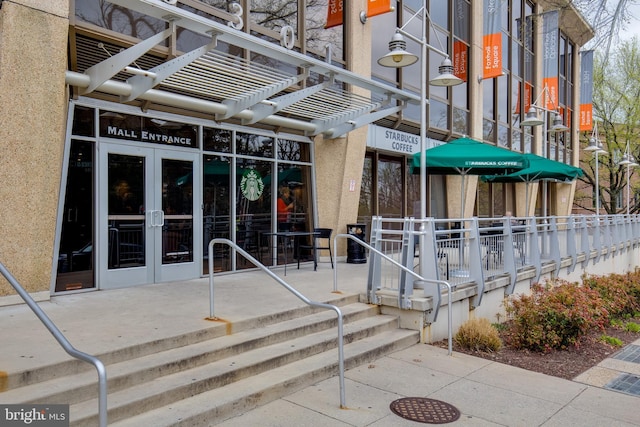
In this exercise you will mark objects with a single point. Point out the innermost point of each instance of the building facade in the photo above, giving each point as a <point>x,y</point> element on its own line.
<point>141,129</point>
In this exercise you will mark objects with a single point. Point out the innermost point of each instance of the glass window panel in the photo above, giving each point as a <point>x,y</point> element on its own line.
<point>295,186</point>
<point>383,26</point>
<point>412,112</point>
<point>528,139</point>
<point>274,63</point>
<point>84,121</point>
<point>217,140</point>
<point>462,18</point>
<point>516,12</point>
<point>216,193</point>
<point>503,100</point>
<point>516,59</point>
<point>177,204</point>
<point>488,130</point>
<point>461,121</point>
<point>506,51</point>
<point>254,145</point>
<point>516,101</point>
<point>439,13</point>
<point>503,136</point>
<point>187,40</point>
<point>389,188</point>
<point>438,114</point>
<point>119,19</point>
<point>253,206</point>
<point>316,36</point>
<point>120,125</point>
<point>483,198</point>
<point>562,56</point>
<point>293,150</point>
<point>516,141</point>
<point>275,14</point>
<point>76,257</point>
<point>504,16</point>
<point>497,199</point>
<point>365,207</point>
<point>487,98</point>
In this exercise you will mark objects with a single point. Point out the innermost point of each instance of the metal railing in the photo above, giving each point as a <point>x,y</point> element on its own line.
<point>306,300</point>
<point>403,293</point>
<point>66,345</point>
<point>472,250</point>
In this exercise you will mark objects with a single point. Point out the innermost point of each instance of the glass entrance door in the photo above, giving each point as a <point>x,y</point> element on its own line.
<point>147,229</point>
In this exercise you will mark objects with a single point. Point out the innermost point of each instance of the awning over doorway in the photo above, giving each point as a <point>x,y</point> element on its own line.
<point>211,81</point>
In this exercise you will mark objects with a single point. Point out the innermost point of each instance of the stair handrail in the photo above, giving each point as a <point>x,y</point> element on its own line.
<point>402,267</point>
<point>64,342</point>
<point>294,291</point>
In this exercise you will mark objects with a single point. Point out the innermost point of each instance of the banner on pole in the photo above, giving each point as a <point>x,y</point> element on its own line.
<point>586,90</point>
<point>335,10</point>
<point>550,58</point>
<point>492,39</point>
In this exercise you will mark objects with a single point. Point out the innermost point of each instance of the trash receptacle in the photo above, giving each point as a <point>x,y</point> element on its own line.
<point>355,251</point>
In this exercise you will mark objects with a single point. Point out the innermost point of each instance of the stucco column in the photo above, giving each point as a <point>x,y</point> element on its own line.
<point>33,59</point>
<point>339,161</point>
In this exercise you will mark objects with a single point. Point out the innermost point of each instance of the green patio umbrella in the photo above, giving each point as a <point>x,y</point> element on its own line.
<point>466,156</point>
<point>539,169</point>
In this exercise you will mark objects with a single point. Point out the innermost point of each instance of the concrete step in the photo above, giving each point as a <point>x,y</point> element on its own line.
<point>219,404</point>
<point>172,388</point>
<point>211,330</point>
<point>75,388</point>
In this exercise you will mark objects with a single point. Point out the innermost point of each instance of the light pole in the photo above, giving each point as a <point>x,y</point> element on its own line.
<point>532,119</point>
<point>628,161</point>
<point>596,147</point>
<point>399,57</point>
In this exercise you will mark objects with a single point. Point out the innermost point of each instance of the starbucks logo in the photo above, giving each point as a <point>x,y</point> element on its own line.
<point>251,185</point>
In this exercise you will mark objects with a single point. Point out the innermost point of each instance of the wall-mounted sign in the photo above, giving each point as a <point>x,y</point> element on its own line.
<point>396,141</point>
<point>144,129</point>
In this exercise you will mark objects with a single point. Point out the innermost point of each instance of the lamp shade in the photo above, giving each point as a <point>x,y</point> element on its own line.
<point>558,125</point>
<point>625,161</point>
<point>398,55</point>
<point>446,76</point>
<point>532,119</point>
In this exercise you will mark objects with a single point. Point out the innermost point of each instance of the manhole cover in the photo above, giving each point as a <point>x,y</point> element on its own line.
<point>425,410</point>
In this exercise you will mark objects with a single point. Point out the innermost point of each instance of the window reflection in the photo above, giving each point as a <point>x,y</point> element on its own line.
<point>390,189</point>
<point>119,19</point>
<point>438,114</point>
<point>254,145</point>
<point>217,140</point>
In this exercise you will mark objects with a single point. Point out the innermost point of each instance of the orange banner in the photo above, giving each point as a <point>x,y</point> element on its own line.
<point>378,7</point>
<point>335,11</point>
<point>460,60</point>
<point>586,119</point>
<point>551,97</point>
<point>492,55</point>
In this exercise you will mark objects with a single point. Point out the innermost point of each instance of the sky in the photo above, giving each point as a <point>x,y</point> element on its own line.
<point>633,27</point>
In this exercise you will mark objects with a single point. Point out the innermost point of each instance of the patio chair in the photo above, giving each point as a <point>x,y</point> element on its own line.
<point>324,234</point>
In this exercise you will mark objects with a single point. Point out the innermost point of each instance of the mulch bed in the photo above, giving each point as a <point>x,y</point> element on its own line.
<point>565,364</point>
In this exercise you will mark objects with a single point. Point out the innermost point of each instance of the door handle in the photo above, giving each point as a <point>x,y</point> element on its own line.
<point>156,218</point>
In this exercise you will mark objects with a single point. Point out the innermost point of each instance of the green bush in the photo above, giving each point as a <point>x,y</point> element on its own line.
<point>632,327</point>
<point>613,341</point>
<point>478,334</point>
<point>554,316</point>
<point>617,291</point>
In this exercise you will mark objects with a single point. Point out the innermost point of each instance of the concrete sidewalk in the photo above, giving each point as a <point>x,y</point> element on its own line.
<point>486,393</point>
